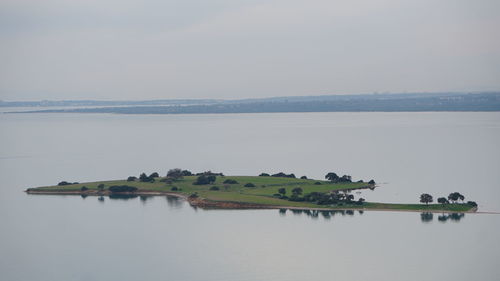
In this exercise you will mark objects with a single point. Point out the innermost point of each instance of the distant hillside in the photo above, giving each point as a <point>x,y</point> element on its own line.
<point>333,103</point>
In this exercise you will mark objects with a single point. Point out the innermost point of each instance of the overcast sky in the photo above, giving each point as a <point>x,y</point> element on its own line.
<point>121,49</point>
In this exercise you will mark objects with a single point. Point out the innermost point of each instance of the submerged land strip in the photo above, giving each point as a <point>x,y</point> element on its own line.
<point>279,191</point>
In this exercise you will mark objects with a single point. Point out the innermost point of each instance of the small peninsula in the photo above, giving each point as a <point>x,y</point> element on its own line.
<point>265,191</point>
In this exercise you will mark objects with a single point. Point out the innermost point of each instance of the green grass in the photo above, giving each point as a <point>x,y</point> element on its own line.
<point>262,193</point>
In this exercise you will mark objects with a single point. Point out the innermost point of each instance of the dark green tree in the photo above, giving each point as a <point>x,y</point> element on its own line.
<point>332,177</point>
<point>425,198</point>
<point>282,191</point>
<point>443,200</point>
<point>175,174</point>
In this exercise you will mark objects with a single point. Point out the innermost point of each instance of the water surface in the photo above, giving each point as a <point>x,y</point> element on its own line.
<point>74,238</point>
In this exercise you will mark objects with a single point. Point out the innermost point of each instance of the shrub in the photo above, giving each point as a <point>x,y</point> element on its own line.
<point>193,195</point>
<point>186,173</point>
<point>175,174</point>
<point>122,188</point>
<point>131,178</point>
<point>230,181</point>
<point>472,203</point>
<point>64,183</point>
<point>154,175</point>
<point>283,175</point>
<point>84,188</point>
<point>214,188</point>
<point>303,178</point>
<point>264,175</point>
<point>174,188</point>
<point>317,183</point>
<point>249,185</point>
<point>371,182</point>
<point>205,179</point>
<point>100,186</point>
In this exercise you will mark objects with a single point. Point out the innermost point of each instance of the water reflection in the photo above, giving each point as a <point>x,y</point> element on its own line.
<point>314,214</point>
<point>428,217</point>
<point>174,201</point>
<point>122,196</point>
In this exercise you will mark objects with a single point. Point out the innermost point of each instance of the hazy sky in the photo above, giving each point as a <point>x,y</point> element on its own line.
<point>121,49</point>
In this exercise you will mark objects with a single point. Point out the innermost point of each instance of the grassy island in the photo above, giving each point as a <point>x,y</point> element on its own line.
<point>214,190</point>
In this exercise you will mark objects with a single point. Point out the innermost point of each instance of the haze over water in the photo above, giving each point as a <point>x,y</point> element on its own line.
<point>71,238</point>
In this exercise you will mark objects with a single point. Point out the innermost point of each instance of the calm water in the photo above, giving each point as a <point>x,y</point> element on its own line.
<point>71,238</point>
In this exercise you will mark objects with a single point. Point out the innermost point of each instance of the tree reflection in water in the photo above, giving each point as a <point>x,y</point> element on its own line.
<point>174,202</point>
<point>428,217</point>
<point>314,214</point>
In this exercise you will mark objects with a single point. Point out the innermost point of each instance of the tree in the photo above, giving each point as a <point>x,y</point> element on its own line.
<point>100,187</point>
<point>455,196</point>
<point>282,191</point>
<point>443,200</point>
<point>425,198</point>
<point>84,188</point>
<point>332,177</point>
<point>154,175</point>
<point>371,182</point>
<point>303,178</point>
<point>143,177</point>
<point>205,179</point>
<point>186,173</point>
<point>131,178</point>
<point>297,191</point>
<point>249,185</point>
<point>264,175</point>
<point>174,174</point>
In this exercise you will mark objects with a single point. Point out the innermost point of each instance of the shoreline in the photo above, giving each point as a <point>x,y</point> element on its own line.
<point>229,205</point>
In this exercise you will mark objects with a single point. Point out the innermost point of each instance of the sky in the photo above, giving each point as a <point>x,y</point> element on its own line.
<point>152,49</point>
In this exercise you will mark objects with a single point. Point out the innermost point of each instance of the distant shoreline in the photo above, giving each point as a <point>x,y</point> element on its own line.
<point>417,102</point>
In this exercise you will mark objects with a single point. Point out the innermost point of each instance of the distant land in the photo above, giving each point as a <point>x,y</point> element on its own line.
<point>265,191</point>
<point>409,102</point>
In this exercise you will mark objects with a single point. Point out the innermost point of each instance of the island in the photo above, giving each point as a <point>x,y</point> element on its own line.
<point>265,191</point>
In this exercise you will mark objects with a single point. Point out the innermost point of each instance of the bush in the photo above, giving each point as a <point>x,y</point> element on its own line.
<point>122,188</point>
<point>317,183</point>
<point>144,178</point>
<point>472,203</point>
<point>175,174</point>
<point>100,186</point>
<point>371,182</point>
<point>264,175</point>
<point>193,195</point>
<point>303,178</point>
<point>174,188</point>
<point>205,179</point>
<point>64,183</point>
<point>283,175</point>
<point>230,181</point>
<point>214,188</point>
<point>249,185</point>
<point>154,175</point>
<point>84,188</point>
<point>186,173</point>
<point>131,178</point>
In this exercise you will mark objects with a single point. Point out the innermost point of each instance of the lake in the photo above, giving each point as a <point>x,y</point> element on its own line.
<point>160,238</point>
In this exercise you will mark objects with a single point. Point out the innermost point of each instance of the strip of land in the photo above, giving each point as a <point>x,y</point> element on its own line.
<point>247,192</point>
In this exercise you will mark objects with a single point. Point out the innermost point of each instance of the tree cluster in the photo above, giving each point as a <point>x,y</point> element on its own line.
<point>122,188</point>
<point>333,177</point>
<point>283,175</point>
